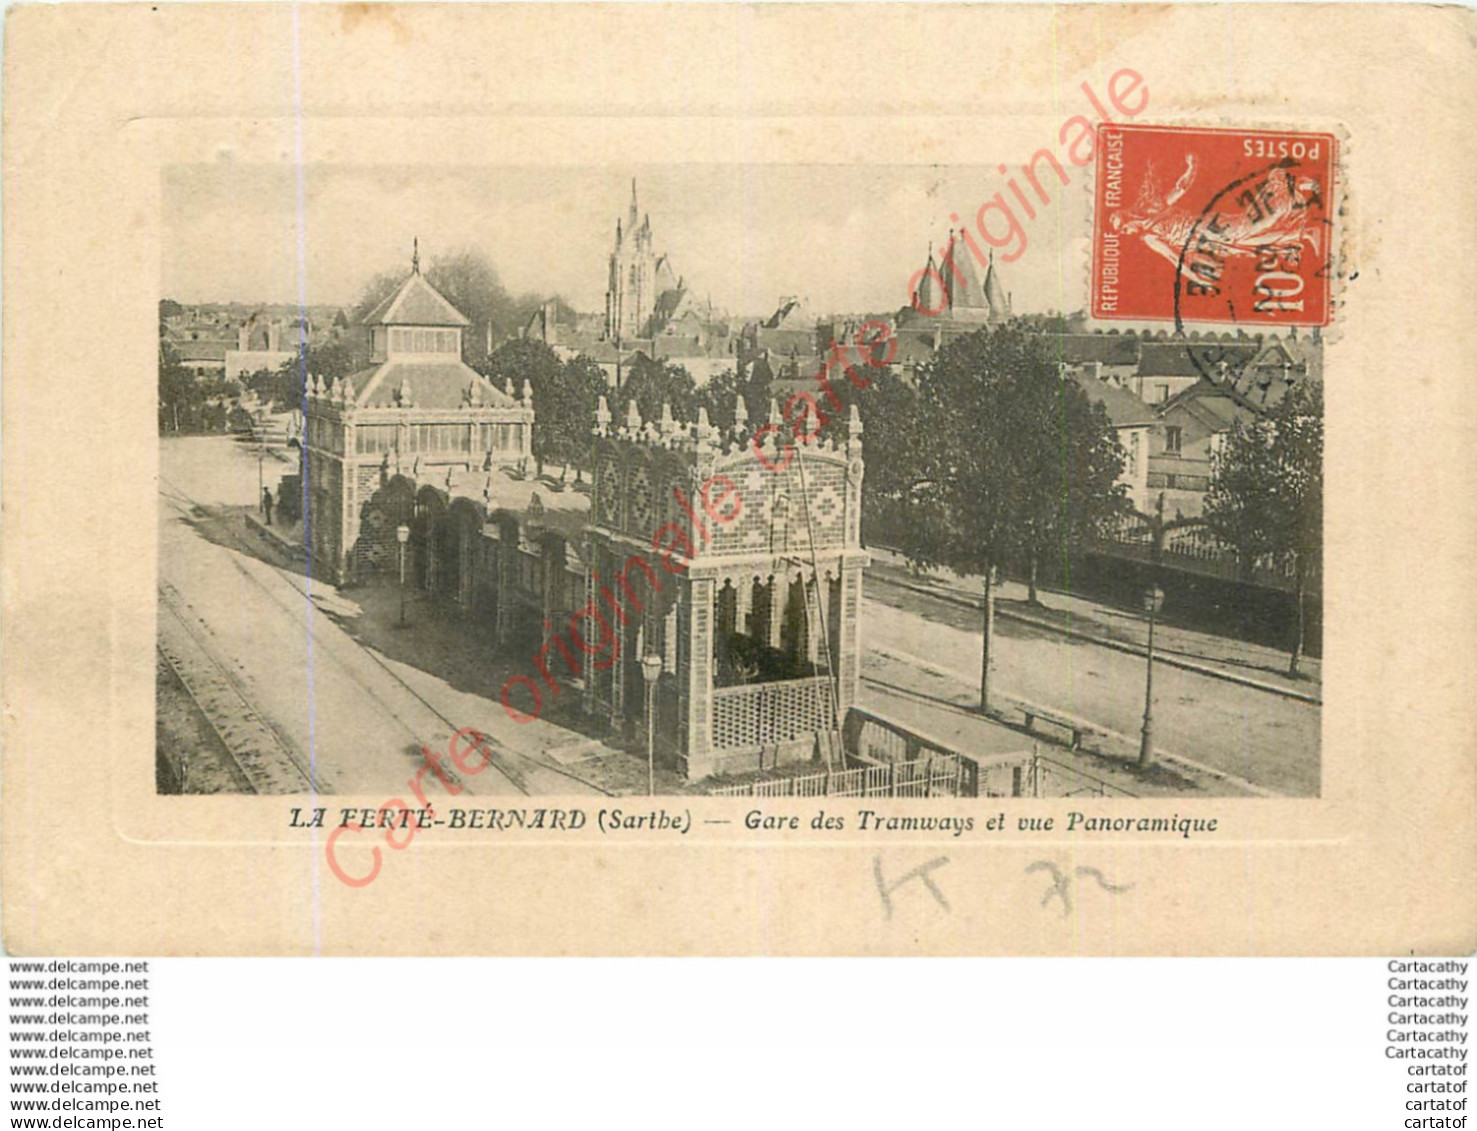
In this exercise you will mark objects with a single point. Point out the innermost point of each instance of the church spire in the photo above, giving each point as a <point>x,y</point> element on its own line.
<point>415,255</point>
<point>634,214</point>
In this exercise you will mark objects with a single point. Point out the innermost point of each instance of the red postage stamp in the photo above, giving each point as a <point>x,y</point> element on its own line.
<point>1213,225</point>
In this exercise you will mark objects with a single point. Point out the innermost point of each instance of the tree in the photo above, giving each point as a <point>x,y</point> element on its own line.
<point>1070,484</point>
<point>720,397</point>
<point>267,384</point>
<point>284,385</point>
<point>524,359</point>
<point>180,394</point>
<point>331,359</point>
<point>888,408</point>
<point>184,397</point>
<point>652,384</point>
<point>1007,456</point>
<point>354,335</point>
<point>380,287</point>
<point>581,384</point>
<point>470,282</point>
<point>1266,493</point>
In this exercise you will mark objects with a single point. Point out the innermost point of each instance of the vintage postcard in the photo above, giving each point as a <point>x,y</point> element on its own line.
<point>591,480</point>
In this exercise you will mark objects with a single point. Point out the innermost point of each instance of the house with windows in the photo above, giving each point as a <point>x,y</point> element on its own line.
<point>203,357</point>
<point>1182,451</point>
<point>1133,422</point>
<point>1249,378</point>
<point>417,413</point>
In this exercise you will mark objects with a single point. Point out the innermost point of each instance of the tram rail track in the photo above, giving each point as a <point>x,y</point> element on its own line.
<point>267,760</point>
<point>502,759</point>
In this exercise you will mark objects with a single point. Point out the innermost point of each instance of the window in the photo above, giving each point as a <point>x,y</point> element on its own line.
<point>371,439</point>
<point>1172,440</point>
<point>1161,393</point>
<point>423,341</point>
<point>431,439</point>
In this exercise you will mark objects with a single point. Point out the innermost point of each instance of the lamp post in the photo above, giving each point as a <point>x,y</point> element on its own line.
<point>402,535</point>
<point>651,670</point>
<point>1153,602</point>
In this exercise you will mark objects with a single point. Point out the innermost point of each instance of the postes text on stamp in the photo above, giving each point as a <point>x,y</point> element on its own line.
<point>1213,225</point>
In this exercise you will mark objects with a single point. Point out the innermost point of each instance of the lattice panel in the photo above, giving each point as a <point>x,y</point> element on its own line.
<point>640,500</point>
<point>826,509</point>
<point>608,493</point>
<point>765,524</point>
<point>767,713</point>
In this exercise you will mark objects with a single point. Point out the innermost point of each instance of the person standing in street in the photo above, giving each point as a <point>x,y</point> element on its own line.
<point>267,504</point>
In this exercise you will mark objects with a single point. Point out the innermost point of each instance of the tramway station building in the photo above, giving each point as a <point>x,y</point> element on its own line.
<point>736,567</point>
<point>376,439</point>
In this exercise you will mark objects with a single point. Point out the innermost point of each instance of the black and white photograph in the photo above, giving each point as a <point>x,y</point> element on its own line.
<point>732,480</point>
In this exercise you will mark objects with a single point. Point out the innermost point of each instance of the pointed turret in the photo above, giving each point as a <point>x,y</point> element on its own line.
<point>926,297</point>
<point>705,431</point>
<point>995,294</point>
<point>960,280</point>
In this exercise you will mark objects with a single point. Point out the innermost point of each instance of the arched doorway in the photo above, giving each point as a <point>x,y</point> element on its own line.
<point>458,536</point>
<point>376,550</point>
<point>430,506</point>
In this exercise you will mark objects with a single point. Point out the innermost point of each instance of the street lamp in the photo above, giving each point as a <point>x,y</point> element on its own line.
<point>651,670</point>
<point>402,534</point>
<point>1153,602</point>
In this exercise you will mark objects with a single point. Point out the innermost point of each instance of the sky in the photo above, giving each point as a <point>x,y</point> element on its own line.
<point>844,238</point>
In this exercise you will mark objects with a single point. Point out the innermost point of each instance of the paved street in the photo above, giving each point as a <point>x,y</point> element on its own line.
<point>1237,660</point>
<point>1266,740</point>
<point>279,643</point>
